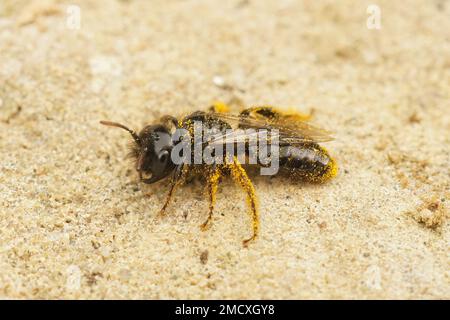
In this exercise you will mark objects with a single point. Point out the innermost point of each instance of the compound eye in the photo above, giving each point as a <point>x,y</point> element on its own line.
<point>164,156</point>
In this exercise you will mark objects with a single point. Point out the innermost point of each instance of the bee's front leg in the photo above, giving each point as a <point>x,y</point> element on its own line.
<point>177,179</point>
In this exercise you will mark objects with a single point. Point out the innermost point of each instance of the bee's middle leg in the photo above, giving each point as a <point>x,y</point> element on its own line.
<point>240,176</point>
<point>212,185</point>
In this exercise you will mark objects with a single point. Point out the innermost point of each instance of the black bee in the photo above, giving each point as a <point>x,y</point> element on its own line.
<point>300,157</point>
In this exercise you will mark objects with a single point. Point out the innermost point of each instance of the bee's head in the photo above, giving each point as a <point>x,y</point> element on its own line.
<point>152,151</point>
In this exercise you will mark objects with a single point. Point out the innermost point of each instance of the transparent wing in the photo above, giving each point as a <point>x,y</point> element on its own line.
<point>290,130</point>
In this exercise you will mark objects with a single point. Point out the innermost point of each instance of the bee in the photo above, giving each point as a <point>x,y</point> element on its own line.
<point>300,157</point>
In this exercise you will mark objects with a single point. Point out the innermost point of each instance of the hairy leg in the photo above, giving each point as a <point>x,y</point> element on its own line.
<point>219,107</point>
<point>240,176</point>
<point>176,180</point>
<point>273,113</point>
<point>212,184</point>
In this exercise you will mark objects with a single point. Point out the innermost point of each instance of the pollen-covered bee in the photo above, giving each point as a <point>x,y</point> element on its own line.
<point>172,149</point>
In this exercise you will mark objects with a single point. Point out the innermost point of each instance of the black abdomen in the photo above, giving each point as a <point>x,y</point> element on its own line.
<point>308,161</point>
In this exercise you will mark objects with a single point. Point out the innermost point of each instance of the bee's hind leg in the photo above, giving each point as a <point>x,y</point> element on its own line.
<point>219,107</point>
<point>240,176</point>
<point>292,114</point>
<point>270,113</point>
<point>212,184</point>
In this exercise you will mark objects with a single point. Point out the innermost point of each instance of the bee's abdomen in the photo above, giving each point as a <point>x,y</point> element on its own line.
<point>309,162</point>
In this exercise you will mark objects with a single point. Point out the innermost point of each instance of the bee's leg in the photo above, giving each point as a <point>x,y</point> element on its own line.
<point>271,113</point>
<point>212,184</point>
<point>240,176</point>
<point>219,107</point>
<point>177,179</point>
<point>299,116</point>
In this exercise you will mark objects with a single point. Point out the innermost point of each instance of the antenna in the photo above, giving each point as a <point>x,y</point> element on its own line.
<point>118,125</point>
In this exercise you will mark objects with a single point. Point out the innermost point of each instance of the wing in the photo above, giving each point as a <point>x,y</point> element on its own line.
<point>291,130</point>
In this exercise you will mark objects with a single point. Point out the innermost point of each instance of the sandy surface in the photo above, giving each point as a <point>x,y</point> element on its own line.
<point>75,222</point>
